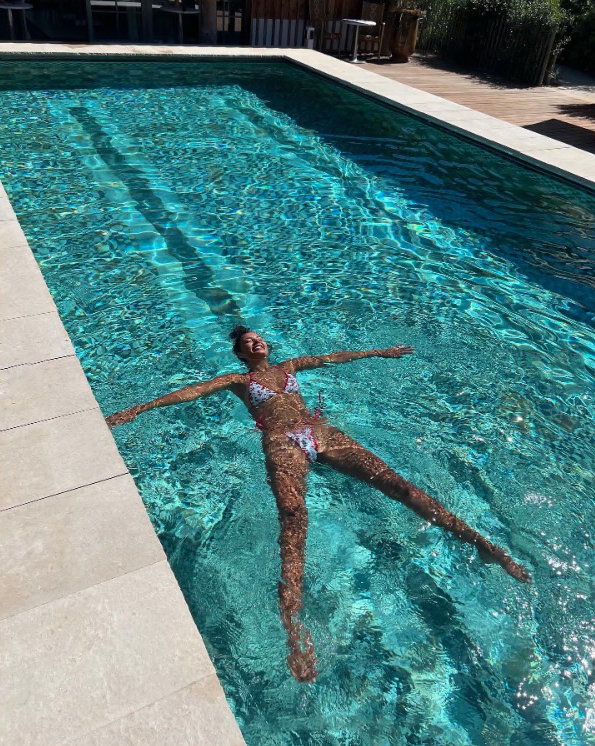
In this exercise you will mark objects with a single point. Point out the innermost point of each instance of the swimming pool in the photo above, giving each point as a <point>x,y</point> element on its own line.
<point>165,202</point>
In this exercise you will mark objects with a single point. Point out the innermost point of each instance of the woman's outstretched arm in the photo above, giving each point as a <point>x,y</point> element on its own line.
<point>317,361</point>
<point>189,393</point>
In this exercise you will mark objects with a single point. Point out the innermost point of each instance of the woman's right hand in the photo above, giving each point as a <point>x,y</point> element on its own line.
<point>123,417</point>
<point>396,352</point>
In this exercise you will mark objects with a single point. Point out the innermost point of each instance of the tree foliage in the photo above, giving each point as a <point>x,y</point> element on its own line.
<point>521,11</point>
<point>538,11</point>
<point>580,48</point>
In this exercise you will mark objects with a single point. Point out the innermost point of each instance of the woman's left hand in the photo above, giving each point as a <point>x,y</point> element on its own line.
<point>121,418</point>
<point>395,352</point>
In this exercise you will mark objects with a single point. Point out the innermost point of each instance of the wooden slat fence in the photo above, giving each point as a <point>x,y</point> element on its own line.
<point>278,23</point>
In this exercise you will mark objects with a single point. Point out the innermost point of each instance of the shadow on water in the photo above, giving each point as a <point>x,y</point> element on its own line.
<point>200,279</point>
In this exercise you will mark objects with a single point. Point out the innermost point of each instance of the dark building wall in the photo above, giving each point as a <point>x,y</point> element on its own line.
<point>100,20</point>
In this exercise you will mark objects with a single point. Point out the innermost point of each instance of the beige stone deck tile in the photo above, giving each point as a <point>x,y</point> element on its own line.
<point>566,160</point>
<point>51,548</point>
<point>464,115</point>
<point>56,455</point>
<point>195,716</point>
<point>444,107</point>
<point>405,96</point>
<point>522,141</point>
<point>323,63</point>
<point>6,211</point>
<point>85,660</point>
<point>393,91</point>
<point>127,50</point>
<point>483,125</point>
<point>349,74</point>
<point>496,131</point>
<point>11,234</point>
<point>23,291</point>
<point>32,339</point>
<point>526,141</point>
<point>30,393</point>
<point>474,123</point>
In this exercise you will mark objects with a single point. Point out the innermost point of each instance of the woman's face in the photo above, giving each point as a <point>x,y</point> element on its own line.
<point>253,347</point>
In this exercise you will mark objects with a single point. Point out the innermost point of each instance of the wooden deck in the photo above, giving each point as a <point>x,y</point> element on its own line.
<point>566,113</point>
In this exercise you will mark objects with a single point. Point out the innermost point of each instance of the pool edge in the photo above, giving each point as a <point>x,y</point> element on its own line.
<point>103,650</point>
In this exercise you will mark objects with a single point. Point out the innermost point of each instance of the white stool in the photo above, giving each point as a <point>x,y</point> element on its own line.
<point>358,24</point>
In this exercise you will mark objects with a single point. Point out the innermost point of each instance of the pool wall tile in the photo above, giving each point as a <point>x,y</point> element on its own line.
<point>193,716</point>
<point>92,657</point>
<point>31,393</point>
<point>55,547</point>
<point>57,455</point>
<point>33,339</point>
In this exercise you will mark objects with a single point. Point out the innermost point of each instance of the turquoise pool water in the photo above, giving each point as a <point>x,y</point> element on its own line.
<point>166,201</point>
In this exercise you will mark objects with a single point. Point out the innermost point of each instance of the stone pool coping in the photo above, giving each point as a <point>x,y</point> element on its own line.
<point>97,641</point>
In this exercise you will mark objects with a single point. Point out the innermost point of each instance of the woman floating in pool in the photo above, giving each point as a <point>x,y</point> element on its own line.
<point>292,438</point>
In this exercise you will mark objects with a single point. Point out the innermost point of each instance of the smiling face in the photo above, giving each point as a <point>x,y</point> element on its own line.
<point>252,348</point>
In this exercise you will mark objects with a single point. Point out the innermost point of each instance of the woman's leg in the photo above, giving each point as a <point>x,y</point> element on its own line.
<point>287,468</point>
<point>346,455</point>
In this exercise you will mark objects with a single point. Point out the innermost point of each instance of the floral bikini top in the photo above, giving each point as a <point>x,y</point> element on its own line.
<point>258,394</point>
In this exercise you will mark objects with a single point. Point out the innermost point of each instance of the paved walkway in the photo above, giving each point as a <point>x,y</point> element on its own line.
<point>565,113</point>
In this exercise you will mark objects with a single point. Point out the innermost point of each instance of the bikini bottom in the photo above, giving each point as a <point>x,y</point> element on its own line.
<point>304,438</point>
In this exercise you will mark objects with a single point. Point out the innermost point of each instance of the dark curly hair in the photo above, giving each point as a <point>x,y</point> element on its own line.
<point>236,335</point>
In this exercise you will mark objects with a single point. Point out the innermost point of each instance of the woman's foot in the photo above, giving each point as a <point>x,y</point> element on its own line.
<point>516,571</point>
<point>302,658</point>
<point>302,666</point>
<point>493,554</point>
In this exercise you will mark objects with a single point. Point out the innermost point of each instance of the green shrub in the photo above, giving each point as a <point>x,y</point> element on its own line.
<point>545,12</point>
<point>537,11</point>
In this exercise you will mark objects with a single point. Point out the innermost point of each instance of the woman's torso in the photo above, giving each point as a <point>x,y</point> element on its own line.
<point>274,400</point>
